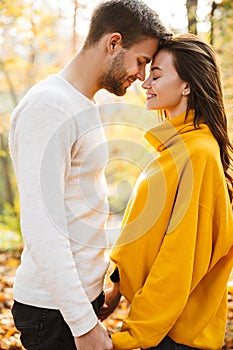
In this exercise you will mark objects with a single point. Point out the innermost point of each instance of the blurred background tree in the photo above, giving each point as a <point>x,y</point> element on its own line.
<point>32,47</point>
<point>37,37</point>
<point>191,6</point>
<point>221,35</point>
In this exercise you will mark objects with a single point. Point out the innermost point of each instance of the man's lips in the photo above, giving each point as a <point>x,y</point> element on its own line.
<point>130,81</point>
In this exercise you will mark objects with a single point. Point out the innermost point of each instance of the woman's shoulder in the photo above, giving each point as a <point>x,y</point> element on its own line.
<point>202,142</point>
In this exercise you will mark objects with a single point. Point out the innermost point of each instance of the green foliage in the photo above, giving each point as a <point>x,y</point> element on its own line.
<point>29,51</point>
<point>223,44</point>
<point>9,218</point>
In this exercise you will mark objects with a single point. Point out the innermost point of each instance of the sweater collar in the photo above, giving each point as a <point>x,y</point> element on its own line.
<point>166,134</point>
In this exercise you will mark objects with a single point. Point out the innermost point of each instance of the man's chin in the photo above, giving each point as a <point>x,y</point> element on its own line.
<point>117,92</point>
<point>122,93</point>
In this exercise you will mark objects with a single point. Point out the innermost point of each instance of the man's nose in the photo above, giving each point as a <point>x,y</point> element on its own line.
<point>141,74</point>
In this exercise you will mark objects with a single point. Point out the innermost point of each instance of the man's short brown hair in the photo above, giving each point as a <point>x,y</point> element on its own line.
<point>133,19</point>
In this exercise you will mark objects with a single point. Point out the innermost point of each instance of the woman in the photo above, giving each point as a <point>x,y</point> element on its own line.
<point>175,251</point>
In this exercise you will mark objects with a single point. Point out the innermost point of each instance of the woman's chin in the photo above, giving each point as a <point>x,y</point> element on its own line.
<point>149,106</point>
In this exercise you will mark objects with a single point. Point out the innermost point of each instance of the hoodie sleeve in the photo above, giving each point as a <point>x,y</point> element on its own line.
<point>171,265</point>
<point>151,314</point>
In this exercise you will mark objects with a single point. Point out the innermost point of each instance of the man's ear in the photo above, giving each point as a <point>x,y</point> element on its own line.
<point>114,42</point>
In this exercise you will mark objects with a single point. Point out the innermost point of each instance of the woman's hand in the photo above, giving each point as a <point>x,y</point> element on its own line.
<point>112,298</point>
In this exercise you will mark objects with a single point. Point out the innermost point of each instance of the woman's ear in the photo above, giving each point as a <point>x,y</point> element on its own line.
<point>114,43</point>
<point>186,89</point>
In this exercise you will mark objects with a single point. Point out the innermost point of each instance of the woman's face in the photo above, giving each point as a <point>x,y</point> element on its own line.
<point>165,89</point>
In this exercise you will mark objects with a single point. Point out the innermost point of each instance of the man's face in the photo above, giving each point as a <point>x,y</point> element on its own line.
<point>127,66</point>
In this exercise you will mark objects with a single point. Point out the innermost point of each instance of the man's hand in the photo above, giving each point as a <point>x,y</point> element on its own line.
<point>96,339</point>
<point>112,298</point>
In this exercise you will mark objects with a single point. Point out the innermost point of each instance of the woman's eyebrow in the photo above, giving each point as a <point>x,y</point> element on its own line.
<point>153,68</point>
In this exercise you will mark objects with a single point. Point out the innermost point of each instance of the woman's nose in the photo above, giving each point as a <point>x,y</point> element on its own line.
<point>146,84</point>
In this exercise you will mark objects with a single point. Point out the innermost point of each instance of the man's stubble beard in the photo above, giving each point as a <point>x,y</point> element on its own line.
<point>114,76</point>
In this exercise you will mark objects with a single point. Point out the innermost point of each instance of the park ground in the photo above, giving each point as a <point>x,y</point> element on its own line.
<point>9,337</point>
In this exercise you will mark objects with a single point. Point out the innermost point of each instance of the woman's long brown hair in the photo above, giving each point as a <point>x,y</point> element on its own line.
<point>195,61</point>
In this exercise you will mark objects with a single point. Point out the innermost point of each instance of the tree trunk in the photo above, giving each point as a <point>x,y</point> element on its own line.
<point>74,27</point>
<point>31,69</point>
<point>213,8</point>
<point>191,6</point>
<point>9,82</point>
<point>6,172</point>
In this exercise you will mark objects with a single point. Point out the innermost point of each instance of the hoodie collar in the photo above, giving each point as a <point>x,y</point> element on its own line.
<point>168,133</point>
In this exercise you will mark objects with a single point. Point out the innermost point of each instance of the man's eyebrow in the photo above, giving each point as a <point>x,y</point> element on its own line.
<point>147,59</point>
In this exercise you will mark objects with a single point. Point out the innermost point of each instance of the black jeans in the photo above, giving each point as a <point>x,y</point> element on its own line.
<point>45,329</point>
<point>168,344</point>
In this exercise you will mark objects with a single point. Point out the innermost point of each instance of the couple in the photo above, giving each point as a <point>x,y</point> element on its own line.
<point>174,254</point>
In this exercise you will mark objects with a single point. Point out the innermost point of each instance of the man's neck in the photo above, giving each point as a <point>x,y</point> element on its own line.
<point>83,72</point>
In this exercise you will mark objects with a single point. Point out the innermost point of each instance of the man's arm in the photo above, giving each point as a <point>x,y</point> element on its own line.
<point>42,142</point>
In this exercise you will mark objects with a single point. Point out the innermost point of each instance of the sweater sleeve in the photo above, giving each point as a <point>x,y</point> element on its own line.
<point>155,308</point>
<point>41,143</point>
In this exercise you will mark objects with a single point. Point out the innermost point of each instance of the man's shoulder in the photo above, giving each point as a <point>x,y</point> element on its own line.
<point>54,92</point>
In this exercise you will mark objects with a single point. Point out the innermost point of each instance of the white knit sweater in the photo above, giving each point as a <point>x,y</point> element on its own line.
<point>59,152</point>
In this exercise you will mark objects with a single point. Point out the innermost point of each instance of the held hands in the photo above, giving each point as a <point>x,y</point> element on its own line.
<point>112,298</point>
<point>96,339</point>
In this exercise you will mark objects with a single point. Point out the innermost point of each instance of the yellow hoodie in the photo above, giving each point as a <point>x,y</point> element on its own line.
<point>175,251</point>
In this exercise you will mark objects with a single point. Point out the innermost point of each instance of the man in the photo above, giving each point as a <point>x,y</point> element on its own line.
<point>59,150</point>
